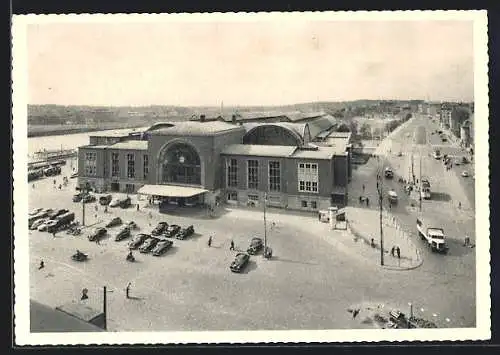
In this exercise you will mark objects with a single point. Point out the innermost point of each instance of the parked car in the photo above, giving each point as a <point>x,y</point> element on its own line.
<point>457,162</point>
<point>63,221</point>
<point>43,227</point>
<point>131,224</point>
<point>115,202</point>
<point>105,200</point>
<point>148,245</point>
<point>57,213</point>
<point>114,222</point>
<point>239,263</point>
<point>51,171</point>
<point>465,173</point>
<point>185,232</point>
<point>172,230</point>
<point>126,202</point>
<point>160,228</point>
<point>122,234</point>
<point>42,214</point>
<point>138,240</point>
<point>78,197</point>
<point>97,234</point>
<point>88,198</point>
<point>256,245</point>
<point>35,211</point>
<point>38,223</point>
<point>122,202</point>
<point>162,247</point>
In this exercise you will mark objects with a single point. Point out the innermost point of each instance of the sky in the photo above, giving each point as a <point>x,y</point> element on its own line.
<point>248,63</point>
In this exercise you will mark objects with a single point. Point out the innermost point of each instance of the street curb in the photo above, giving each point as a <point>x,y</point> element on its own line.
<point>419,261</point>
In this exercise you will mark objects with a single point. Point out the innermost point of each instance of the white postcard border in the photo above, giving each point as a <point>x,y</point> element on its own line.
<point>23,336</point>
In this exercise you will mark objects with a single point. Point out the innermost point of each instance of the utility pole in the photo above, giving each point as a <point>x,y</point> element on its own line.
<point>85,191</point>
<point>380,204</point>
<point>421,187</point>
<point>265,223</point>
<point>105,309</point>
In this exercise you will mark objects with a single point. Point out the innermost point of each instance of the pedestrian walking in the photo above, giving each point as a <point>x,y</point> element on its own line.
<point>106,209</point>
<point>54,181</point>
<point>127,290</point>
<point>372,243</point>
<point>54,234</point>
<point>459,205</point>
<point>392,250</point>
<point>398,252</point>
<point>96,208</point>
<point>33,186</point>
<point>42,265</point>
<point>363,188</point>
<point>466,241</point>
<point>360,199</point>
<point>232,245</point>
<point>367,201</point>
<point>84,294</point>
<point>60,186</point>
<point>209,241</point>
<point>355,313</point>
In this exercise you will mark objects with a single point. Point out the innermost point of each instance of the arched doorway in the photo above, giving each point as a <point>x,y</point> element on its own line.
<point>180,163</point>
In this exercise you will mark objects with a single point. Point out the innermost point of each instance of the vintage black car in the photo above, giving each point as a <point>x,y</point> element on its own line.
<point>55,213</point>
<point>105,200</point>
<point>148,245</point>
<point>88,198</point>
<point>97,234</point>
<point>114,222</point>
<point>126,202</point>
<point>185,232</point>
<point>122,234</point>
<point>256,245</point>
<point>78,197</point>
<point>138,240</point>
<point>172,230</point>
<point>162,247</point>
<point>388,173</point>
<point>239,263</point>
<point>160,228</point>
<point>131,224</point>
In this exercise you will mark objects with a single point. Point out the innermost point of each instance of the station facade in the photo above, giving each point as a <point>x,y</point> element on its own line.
<point>192,162</point>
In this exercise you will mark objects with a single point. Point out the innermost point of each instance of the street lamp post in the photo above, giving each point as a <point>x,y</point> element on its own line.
<point>105,309</point>
<point>85,191</point>
<point>265,224</point>
<point>380,204</point>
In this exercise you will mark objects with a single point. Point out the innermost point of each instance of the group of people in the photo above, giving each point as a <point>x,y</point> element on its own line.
<point>396,251</point>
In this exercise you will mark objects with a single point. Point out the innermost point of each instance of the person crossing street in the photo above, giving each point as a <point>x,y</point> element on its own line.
<point>232,245</point>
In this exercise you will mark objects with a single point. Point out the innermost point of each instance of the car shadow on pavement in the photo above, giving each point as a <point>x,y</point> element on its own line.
<point>173,250</point>
<point>440,196</point>
<point>252,265</point>
<point>277,258</point>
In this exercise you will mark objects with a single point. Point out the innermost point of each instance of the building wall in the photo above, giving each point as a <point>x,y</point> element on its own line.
<point>288,197</point>
<point>208,148</point>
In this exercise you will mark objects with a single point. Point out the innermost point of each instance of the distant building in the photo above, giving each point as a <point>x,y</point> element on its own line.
<point>445,115</point>
<point>299,165</point>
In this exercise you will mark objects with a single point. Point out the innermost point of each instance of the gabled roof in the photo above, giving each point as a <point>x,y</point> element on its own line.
<point>300,116</point>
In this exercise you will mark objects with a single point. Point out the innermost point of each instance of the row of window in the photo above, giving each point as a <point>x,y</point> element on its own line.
<point>233,196</point>
<point>307,175</point>
<point>90,165</point>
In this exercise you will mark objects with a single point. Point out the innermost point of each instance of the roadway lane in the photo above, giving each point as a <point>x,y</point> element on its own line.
<point>457,268</point>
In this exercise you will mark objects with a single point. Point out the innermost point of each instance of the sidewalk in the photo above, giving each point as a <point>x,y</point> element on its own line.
<point>364,224</point>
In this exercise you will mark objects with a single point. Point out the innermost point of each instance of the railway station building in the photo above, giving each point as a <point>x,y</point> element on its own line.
<point>295,165</point>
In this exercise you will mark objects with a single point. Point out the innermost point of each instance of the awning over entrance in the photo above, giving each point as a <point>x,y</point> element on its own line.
<point>170,191</point>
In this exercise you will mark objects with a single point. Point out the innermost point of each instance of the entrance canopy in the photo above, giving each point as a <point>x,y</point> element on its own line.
<point>170,191</point>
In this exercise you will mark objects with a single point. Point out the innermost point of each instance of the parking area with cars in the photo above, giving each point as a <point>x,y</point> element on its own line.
<point>312,278</point>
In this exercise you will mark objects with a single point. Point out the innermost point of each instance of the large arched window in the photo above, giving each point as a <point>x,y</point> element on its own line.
<point>180,163</point>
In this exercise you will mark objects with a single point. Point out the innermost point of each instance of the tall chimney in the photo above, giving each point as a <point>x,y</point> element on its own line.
<point>202,118</point>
